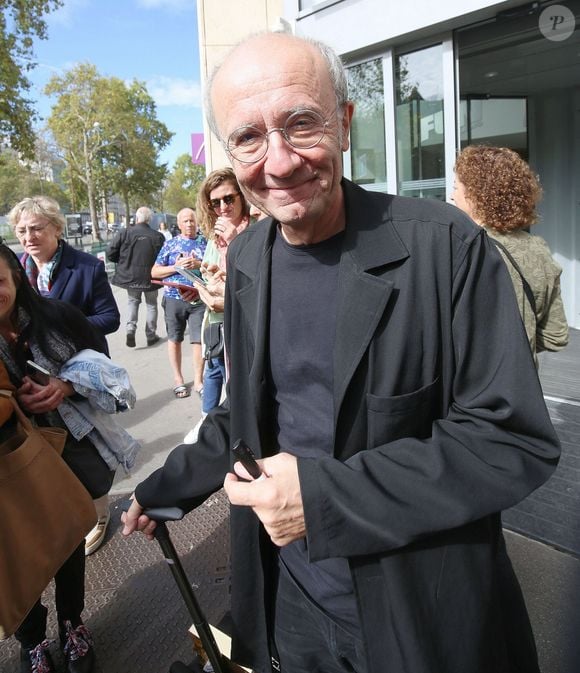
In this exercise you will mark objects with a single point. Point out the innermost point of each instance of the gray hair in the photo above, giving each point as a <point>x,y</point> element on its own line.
<point>333,61</point>
<point>143,215</point>
<point>41,206</point>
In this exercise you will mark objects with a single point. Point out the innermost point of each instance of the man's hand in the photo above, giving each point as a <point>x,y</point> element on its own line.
<point>275,497</point>
<point>134,519</point>
<point>187,261</point>
<point>37,399</point>
<point>189,295</point>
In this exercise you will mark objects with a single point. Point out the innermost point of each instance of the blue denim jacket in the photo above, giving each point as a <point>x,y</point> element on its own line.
<point>106,389</point>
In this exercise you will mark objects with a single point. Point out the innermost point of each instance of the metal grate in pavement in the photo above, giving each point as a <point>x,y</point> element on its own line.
<point>133,608</point>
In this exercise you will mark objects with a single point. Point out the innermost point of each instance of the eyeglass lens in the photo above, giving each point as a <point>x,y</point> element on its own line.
<point>35,229</point>
<point>303,129</point>
<point>228,199</point>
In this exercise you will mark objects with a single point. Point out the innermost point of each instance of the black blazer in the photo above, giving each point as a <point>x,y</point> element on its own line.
<point>439,422</point>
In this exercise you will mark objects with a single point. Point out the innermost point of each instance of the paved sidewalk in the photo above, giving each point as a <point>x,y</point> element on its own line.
<point>133,608</point>
<point>159,420</point>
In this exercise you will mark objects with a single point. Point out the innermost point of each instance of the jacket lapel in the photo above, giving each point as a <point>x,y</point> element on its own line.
<point>254,262</point>
<point>63,274</point>
<point>371,244</point>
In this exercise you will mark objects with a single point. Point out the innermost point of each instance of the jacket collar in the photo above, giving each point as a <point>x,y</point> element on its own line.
<point>371,244</point>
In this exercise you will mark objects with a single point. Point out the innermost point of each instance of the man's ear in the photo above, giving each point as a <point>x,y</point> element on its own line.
<point>346,121</point>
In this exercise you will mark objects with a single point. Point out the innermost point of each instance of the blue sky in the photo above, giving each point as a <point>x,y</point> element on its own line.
<point>153,41</point>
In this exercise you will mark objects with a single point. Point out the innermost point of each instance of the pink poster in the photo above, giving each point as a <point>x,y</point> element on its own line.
<point>198,148</point>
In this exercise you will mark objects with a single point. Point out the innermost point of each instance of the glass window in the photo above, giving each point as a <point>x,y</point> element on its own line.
<point>419,123</point>
<point>367,136</point>
<point>494,121</point>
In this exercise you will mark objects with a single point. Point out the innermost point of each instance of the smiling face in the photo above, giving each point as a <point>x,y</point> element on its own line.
<point>233,211</point>
<point>38,236</point>
<point>299,187</point>
<point>7,294</point>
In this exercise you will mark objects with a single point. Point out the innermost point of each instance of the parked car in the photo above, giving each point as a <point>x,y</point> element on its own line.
<point>87,228</point>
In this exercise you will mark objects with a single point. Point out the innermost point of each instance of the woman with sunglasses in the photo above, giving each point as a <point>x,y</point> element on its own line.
<point>222,213</point>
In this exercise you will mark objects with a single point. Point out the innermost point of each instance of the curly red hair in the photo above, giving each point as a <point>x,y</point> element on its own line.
<point>501,188</point>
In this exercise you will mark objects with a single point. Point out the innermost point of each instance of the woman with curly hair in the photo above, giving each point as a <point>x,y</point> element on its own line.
<point>499,191</point>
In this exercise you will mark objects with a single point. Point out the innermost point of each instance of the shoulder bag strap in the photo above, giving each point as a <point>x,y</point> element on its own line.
<point>22,417</point>
<point>527,288</point>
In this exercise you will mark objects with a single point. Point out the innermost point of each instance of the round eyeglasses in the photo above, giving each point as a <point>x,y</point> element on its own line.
<point>33,229</point>
<point>303,129</point>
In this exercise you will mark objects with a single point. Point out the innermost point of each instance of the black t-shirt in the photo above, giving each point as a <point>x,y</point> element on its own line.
<point>302,327</point>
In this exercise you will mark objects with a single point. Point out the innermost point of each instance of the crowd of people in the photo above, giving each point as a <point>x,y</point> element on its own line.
<point>379,364</point>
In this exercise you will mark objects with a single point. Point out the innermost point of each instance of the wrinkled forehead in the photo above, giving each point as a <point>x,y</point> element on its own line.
<point>266,79</point>
<point>187,214</point>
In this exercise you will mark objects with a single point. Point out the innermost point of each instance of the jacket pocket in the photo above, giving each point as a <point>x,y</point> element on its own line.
<point>411,414</point>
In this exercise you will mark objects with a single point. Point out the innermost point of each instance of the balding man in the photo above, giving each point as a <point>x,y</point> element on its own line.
<point>394,407</point>
<point>183,251</point>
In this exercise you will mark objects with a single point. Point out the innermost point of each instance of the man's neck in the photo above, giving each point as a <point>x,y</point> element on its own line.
<point>316,232</point>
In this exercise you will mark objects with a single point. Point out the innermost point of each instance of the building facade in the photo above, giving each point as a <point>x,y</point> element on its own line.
<point>429,78</point>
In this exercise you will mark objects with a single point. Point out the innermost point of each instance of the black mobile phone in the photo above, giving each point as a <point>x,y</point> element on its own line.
<point>247,458</point>
<point>37,373</point>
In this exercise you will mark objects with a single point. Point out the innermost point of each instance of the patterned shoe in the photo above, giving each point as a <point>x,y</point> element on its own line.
<point>78,649</point>
<point>37,660</point>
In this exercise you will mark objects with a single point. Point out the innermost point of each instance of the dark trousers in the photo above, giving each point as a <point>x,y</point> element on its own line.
<point>307,640</point>
<point>69,597</point>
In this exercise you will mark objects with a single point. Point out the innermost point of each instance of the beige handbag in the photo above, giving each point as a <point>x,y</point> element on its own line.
<point>45,514</point>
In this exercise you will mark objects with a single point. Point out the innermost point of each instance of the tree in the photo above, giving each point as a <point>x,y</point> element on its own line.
<point>74,124</point>
<point>129,161</point>
<point>183,184</point>
<point>109,135</point>
<point>19,180</point>
<point>20,22</point>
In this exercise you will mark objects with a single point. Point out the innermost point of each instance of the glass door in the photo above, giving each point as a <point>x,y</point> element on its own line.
<point>420,123</point>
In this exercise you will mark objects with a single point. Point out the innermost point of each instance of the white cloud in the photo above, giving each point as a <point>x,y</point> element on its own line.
<point>66,13</point>
<point>174,91</point>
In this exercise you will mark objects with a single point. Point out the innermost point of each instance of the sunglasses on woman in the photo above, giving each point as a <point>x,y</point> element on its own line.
<point>228,199</point>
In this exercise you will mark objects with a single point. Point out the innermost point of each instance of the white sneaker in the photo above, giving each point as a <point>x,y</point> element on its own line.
<point>95,537</point>
<point>191,437</point>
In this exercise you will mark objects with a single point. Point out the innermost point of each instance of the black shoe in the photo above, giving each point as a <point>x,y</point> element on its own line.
<point>78,649</point>
<point>130,341</point>
<point>37,660</point>
<point>153,340</point>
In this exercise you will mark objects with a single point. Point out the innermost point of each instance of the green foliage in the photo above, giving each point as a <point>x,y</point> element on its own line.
<point>109,135</point>
<point>20,22</point>
<point>18,180</point>
<point>183,184</point>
